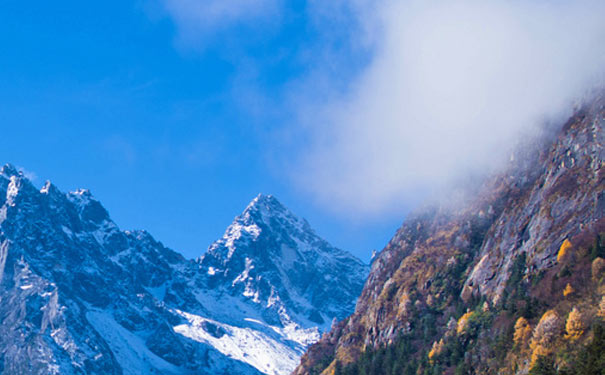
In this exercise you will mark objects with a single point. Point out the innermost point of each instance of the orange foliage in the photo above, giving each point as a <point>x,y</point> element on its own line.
<point>436,350</point>
<point>564,250</point>
<point>463,322</point>
<point>539,351</point>
<point>522,332</point>
<point>568,290</point>
<point>545,333</point>
<point>575,325</point>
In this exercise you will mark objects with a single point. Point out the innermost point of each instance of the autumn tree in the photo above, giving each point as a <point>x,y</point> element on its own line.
<point>436,350</point>
<point>568,290</point>
<point>574,326</point>
<point>564,250</point>
<point>601,311</point>
<point>522,333</point>
<point>543,366</point>
<point>463,322</point>
<point>545,333</point>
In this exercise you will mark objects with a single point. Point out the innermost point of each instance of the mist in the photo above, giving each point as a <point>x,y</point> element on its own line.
<point>450,88</point>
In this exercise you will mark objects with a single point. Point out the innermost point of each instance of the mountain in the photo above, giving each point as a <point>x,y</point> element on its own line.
<point>80,296</point>
<point>274,258</point>
<point>509,282</point>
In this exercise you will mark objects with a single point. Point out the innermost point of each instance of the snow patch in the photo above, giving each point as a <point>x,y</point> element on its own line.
<point>130,350</point>
<point>244,344</point>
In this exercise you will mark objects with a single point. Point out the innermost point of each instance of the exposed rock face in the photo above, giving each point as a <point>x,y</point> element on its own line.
<point>277,260</point>
<point>442,262</point>
<point>80,296</point>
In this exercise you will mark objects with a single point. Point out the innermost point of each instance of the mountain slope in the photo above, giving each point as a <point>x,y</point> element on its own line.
<point>80,296</point>
<point>489,287</point>
<point>277,260</point>
<point>271,273</point>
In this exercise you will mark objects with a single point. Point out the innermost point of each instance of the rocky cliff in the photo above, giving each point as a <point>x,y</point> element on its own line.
<point>495,284</point>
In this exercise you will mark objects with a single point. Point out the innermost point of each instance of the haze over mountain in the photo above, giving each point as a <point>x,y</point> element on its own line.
<point>510,282</point>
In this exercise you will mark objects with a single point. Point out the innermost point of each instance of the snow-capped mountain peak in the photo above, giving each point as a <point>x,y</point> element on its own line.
<point>263,213</point>
<point>273,258</point>
<point>264,208</point>
<point>14,185</point>
<point>9,170</point>
<point>79,295</point>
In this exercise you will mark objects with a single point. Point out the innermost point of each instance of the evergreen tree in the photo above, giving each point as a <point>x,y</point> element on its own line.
<point>591,360</point>
<point>338,368</point>
<point>598,248</point>
<point>544,366</point>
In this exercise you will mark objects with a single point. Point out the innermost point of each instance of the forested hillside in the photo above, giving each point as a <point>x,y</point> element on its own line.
<point>511,283</point>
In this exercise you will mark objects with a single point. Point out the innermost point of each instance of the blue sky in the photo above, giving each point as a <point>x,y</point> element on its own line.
<point>176,113</point>
<point>173,128</point>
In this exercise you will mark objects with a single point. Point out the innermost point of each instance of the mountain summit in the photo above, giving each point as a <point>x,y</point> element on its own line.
<point>80,296</point>
<point>276,260</point>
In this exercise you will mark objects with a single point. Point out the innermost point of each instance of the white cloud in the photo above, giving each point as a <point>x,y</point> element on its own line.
<point>202,20</point>
<point>451,86</point>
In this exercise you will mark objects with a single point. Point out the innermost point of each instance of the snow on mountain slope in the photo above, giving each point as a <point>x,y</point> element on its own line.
<point>130,350</point>
<point>80,296</point>
<point>277,261</point>
<point>246,344</point>
<point>273,284</point>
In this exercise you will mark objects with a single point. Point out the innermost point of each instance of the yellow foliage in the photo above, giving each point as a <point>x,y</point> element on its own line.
<point>463,322</point>
<point>601,311</point>
<point>574,326</point>
<point>522,332</point>
<point>568,290</point>
<point>546,332</point>
<point>563,250</point>
<point>436,350</point>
